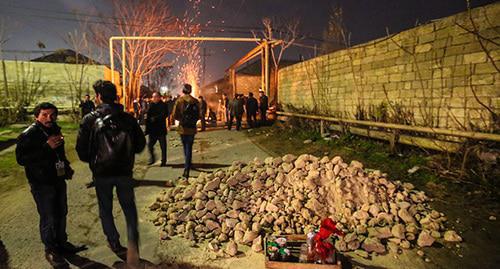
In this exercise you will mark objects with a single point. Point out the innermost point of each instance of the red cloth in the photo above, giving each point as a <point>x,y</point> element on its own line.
<point>322,247</point>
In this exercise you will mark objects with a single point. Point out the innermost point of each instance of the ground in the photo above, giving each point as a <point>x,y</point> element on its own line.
<point>216,149</point>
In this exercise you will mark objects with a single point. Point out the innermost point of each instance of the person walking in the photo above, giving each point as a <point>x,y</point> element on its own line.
<point>203,110</point>
<point>263,106</point>
<point>236,112</point>
<point>156,128</point>
<point>108,140</point>
<point>87,105</point>
<point>251,107</point>
<point>40,149</point>
<point>187,111</point>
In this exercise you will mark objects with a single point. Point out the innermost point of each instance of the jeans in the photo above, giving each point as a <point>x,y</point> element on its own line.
<point>187,144</point>
<point>52,207</point>
<point>125,192</point>
<point>163,146</point>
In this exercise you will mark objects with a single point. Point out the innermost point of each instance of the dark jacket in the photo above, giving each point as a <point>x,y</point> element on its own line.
<point>38,158</point>
<point>156,119</point>
<point>264,104</point>
<point>203,107</point>
<point>179,109</point>
<point>236,107</point>
<point>88,153</point>
<point>87,107</point>
<point>252,106</point>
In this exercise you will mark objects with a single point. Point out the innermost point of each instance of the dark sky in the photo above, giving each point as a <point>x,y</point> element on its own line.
<point>28,21</point>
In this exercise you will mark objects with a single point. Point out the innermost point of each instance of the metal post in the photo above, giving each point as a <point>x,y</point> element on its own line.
<point>111,60</point>
<point>124,74</point>
<point>266,55</point>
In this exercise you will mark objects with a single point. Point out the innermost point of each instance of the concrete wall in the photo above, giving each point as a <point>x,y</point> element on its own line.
<point>56,78</point>
<point>429,72</point>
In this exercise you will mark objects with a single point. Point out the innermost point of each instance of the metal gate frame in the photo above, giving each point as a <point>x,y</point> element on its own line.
<point>263,48</point>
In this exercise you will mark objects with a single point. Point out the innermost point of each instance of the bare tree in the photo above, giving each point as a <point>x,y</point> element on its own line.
<point>138,18</point>
<point>286,32</point>
<point>332,35</point>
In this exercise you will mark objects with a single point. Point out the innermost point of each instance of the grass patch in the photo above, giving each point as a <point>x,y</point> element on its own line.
<point>12,175</point>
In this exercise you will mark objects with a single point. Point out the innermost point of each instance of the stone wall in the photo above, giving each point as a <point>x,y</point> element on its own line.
<point>424,76</point>
<point>56,78</point>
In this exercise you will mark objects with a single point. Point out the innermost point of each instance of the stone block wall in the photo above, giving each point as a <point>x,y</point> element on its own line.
<point>424,76</point>
<point>55,77</point>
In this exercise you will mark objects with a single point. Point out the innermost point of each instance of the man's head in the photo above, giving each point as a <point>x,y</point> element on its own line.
<point>46,114</point>
<point>261,93</point>
<point>87,97</point>
<point>250,94</point>
<point>156,97</point>
<point>105,91</point>
<point>187,89</point>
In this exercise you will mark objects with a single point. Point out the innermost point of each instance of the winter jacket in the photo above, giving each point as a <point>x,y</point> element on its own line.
<point>179,109</point>
<point>156,119</point>
<point>86,148</point>
<point>38,158</point>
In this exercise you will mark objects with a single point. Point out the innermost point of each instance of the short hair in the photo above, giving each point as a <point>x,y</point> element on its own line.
<point>250,94</point>
<point>200,97</point>
<point>44,106</point>
<point>106,89</point>
<point>187,88</point>
<point>87,95</point>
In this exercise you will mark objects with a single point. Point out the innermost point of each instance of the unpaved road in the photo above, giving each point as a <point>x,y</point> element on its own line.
<point>213,149</point>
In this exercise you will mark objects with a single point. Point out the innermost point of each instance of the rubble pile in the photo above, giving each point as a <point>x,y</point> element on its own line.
<point>291,195</point>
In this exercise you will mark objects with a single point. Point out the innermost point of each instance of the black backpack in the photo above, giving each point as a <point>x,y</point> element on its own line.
<point>111,144</point>
<point>190,115</point>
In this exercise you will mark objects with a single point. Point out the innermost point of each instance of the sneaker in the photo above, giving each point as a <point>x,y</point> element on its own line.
<point>117,248</point>
<point>54,258</point>
<point>186,173</point>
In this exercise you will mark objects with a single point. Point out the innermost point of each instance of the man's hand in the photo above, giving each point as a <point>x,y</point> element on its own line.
<point>55,141</point>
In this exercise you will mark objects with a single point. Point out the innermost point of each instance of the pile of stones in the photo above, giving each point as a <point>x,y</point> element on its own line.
<point>291,195</point>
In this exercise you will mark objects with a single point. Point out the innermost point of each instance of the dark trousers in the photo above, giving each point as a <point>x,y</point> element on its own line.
<point>228,116</point>
<point>187,144</point>
<point>251,119</point>
<point>125,192</point>
<point>163,146</point>
<point>52,207</point>
<point>238,122</point>
<point>203,123</point>
<point>263,116</point>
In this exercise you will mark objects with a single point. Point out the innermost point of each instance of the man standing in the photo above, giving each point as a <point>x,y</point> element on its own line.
<point>236,112</point>
<point>203,109</point>
<point>40,149</point>
<point>170,107</point>
<point>187,111</point>
<point>227,110</point>
<point>251,107</point>
<point>87,106</point>
<point>263,106</point>
<point>108,139</point>
<point>156,128</point>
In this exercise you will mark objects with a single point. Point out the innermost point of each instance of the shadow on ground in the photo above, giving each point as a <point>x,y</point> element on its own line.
<point>198,166</point>
<point>4,256</point>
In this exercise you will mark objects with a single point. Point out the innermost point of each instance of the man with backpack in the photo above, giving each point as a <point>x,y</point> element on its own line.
<point>108,140</point>
<point>187,111</point>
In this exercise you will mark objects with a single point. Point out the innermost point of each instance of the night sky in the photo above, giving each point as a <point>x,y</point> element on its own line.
<point>28,21</point>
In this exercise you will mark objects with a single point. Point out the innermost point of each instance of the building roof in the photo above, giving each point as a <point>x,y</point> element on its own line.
<point>65,56</point>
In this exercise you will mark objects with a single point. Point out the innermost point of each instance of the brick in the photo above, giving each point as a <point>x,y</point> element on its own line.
<point>472,58</point>
<point>482,79</point>
<point>423,48</point>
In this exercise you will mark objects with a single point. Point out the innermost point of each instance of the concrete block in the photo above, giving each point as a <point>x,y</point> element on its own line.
<point>473,58</point>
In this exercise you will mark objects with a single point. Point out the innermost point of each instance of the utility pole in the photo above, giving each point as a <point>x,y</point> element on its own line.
<point>204,55</point>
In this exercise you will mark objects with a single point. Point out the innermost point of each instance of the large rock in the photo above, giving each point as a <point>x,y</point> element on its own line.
<point>231,248</point>
<point>425,239</point>
<point>212,185</point>
<point>373,245</point>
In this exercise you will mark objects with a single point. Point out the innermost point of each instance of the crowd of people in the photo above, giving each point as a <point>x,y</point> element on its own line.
<point>108,139</point>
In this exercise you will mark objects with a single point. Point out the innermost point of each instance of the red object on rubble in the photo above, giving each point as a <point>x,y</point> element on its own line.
<point>323,248</point>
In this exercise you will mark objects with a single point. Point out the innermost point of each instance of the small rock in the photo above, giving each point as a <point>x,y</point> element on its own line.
<point>420,253</point>
<point>308,141</point>
<point>492,218</point>
<point>452,236</point>
<point>257,244</point>
<point>361,253</point>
